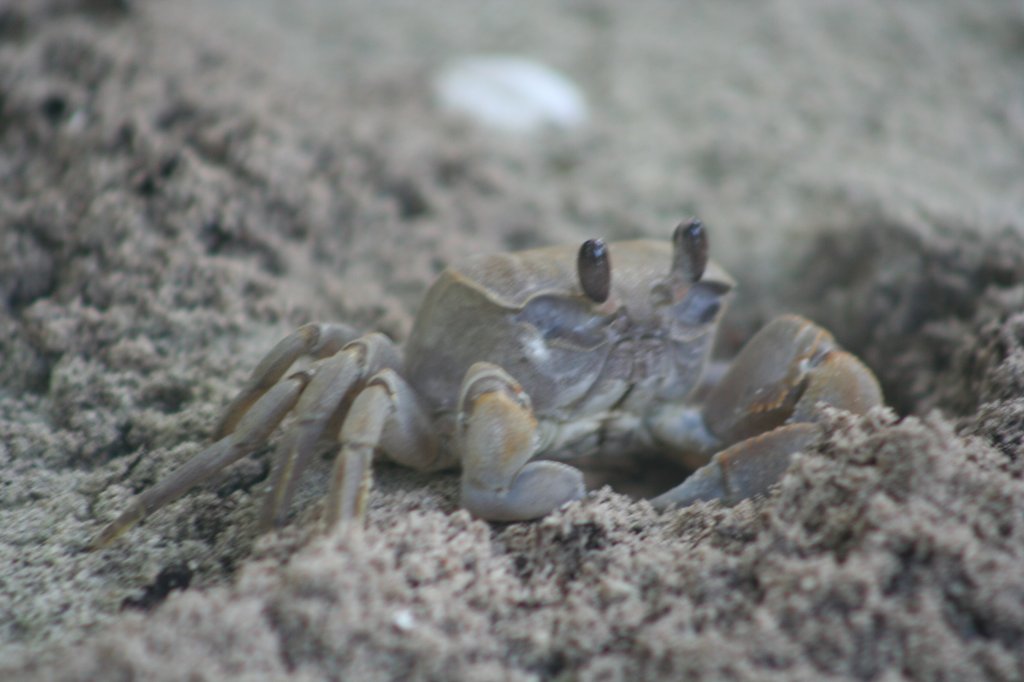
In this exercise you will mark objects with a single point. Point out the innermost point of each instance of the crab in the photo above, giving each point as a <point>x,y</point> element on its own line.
<point>518,364</point>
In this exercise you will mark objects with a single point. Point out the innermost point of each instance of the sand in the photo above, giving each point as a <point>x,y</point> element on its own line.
<point>182,184</point>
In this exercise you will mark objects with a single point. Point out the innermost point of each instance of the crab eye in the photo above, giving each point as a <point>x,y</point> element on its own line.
<point>690,250</point>
<point>595,270</point>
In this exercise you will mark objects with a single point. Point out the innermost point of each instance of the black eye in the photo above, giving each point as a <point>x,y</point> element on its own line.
<point>595,270</point>
<point>690,250</point>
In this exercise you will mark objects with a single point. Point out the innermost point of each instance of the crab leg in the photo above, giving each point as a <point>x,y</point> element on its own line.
<point>313,340</point>
<point>496,437</point>
<point>385,416</point>
<point>253,429</point>
<point>766,408</point>
<point>334,382</point>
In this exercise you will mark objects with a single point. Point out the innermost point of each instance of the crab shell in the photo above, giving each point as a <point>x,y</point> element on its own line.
<point>528,313</point>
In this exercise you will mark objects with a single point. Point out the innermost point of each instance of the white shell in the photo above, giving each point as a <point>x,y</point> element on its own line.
<point>513,94</point>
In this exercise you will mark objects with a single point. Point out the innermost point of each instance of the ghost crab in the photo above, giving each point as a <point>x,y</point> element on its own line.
<point>517,361</point>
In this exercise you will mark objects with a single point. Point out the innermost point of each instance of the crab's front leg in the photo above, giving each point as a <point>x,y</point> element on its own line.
<point>496,436</point>
<point>763,410</point>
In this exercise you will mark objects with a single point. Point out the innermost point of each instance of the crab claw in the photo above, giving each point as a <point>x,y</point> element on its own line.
<point>497,436</point>
<point>766,407</point>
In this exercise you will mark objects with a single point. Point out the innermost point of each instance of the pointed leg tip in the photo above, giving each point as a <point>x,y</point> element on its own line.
<point>107,536</point>
<point>135,512</point>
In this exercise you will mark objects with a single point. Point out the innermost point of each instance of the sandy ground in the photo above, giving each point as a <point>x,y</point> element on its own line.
<point>181,184</point>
